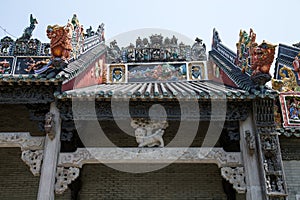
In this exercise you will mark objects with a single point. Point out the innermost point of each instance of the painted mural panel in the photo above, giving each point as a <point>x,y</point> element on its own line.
<point>290,107</point>
<point>30,65</point>
<point>6,64</point>
<point>157,72</point>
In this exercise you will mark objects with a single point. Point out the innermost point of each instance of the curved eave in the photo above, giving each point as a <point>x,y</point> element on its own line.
<point>29,80</point>
<point>189,91</point>
<point>289,132</point>
<point>83,62</point>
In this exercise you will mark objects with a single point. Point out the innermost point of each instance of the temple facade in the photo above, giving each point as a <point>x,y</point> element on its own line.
<point>157,119</point>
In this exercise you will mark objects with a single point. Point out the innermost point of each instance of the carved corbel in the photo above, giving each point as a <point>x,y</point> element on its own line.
<point>250,139</point>
<point>49,125</point>
<point>236,177</point>
<point>65,176</point>
<point>33,158</point>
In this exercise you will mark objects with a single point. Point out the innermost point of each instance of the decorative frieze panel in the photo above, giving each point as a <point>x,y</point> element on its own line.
<point>269,150</point>
<point>150,155</point>
<point>33,158</point>
<point>21,139</point>
<point>89,109</point>
<point>27,94</point>
<point>65,176</point>
<point>236,177</point>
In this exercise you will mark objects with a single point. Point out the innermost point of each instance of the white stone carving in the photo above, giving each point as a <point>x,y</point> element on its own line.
<point>49,125</point>
<point>250,138</point>
<point>149,133</point>
<point>65,176</point>
<point>33,158</point>
<point>236,177</point>
<point>150,155</point>
<point>21,139</point>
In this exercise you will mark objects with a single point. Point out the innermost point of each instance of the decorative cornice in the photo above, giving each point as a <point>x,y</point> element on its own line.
<point>149,155</point>
<point>65,176</point>
<point>33,158</point>
<point>236,177</point>
<point>21,139</point>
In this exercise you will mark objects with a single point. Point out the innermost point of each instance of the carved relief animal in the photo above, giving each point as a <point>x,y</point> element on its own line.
<point>49,125</point>
<point>152,140</point>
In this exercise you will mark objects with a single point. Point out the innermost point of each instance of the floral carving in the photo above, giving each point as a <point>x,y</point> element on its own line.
<point>33,158</point>
<point>236,177</point>
<point>65,176</point>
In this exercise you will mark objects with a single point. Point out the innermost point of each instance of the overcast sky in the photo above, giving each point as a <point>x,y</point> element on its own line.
<point>272,20</point>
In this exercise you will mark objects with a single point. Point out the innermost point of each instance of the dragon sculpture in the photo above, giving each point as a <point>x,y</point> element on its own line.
<point>286,84</point>
<point>28,31</point>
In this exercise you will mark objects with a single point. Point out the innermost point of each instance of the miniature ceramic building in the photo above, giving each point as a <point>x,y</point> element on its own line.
<point>157,119</point>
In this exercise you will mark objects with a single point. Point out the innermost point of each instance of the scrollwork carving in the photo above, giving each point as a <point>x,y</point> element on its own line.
<point>65,176</point>
<point>145,155</point>
<point>22,139</point>
<point>33,158</point>
<point>236,177</point>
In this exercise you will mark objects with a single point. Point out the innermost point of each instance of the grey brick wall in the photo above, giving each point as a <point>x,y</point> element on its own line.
<point>292,173</point>
<point>16,180</point>
<point>177,181</point>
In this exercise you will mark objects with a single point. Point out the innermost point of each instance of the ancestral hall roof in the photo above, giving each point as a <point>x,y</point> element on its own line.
<point>163,91</point>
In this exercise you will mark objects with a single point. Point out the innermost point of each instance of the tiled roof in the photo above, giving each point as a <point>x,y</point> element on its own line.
<point>242,80</point>
<point>79,65</point>
<point>28,80</point>
<point>167,90</point>
<point>288,132</point>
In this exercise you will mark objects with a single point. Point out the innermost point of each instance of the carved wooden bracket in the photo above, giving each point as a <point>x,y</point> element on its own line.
<point>33,158</point>
<point>65,176</point>
<point>236,177</point>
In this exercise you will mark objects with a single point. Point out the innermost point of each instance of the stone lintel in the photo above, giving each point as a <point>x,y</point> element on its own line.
<point>150,155</point>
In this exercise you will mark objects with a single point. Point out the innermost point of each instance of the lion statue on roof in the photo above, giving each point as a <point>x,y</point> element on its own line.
<point>60,40</point>
<point>262,57</point>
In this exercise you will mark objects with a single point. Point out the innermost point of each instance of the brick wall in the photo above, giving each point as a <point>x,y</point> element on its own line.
<point>177,181</point>
<point>292,172</point>
<point>16,180</point>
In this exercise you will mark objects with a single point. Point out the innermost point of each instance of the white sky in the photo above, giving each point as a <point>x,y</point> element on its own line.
<point>272,20</point>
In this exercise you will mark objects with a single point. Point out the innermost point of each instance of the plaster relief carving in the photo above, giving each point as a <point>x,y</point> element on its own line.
<point>21,139</point>
<point>49,125</point>
<point>149,133</point>
<point>65,176</point>
<point>250,138</point>
<point>33,158</point>
<point>149,155</point>
<point>236,177</point>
